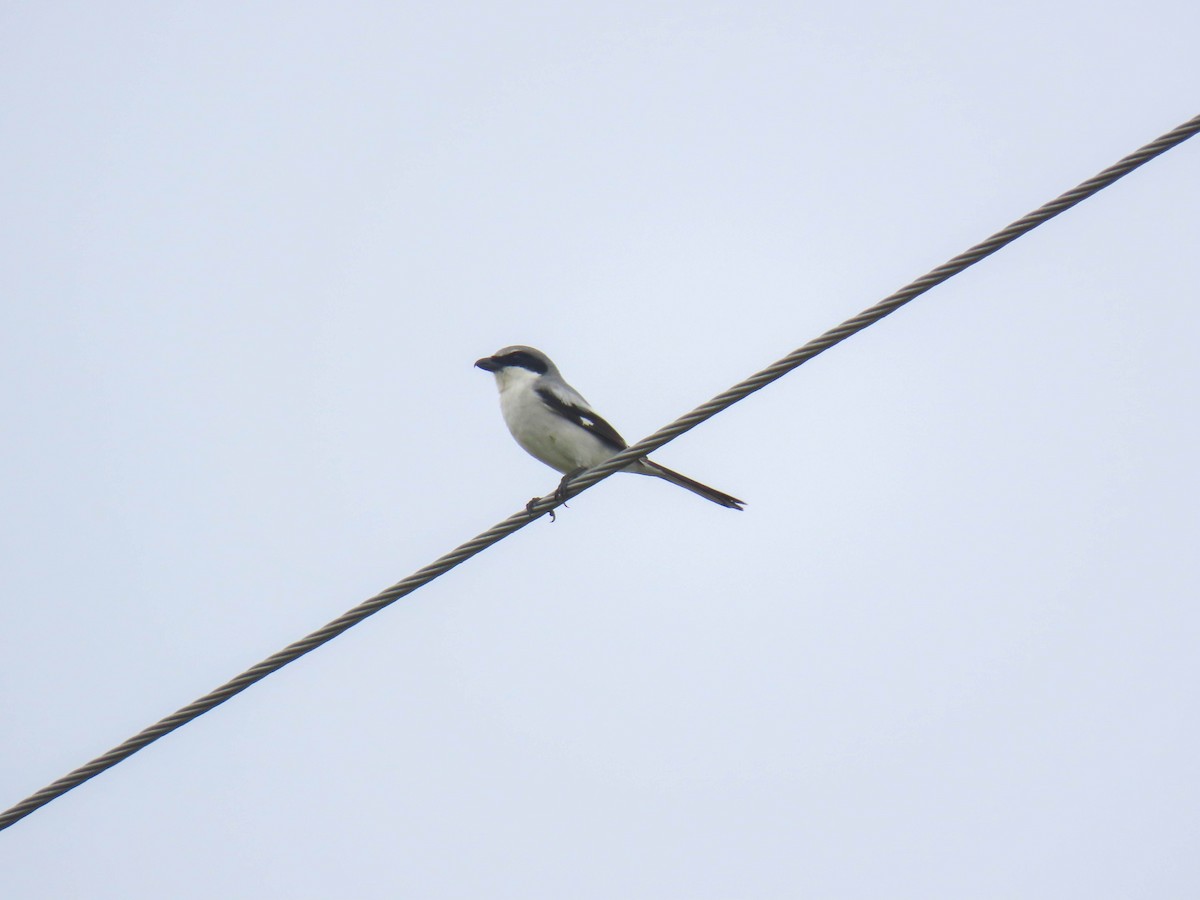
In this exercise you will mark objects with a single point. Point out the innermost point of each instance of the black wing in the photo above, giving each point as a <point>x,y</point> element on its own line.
<point>584,418</point>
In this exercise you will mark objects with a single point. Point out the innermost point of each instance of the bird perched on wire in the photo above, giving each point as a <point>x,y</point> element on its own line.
<point>553,423</point>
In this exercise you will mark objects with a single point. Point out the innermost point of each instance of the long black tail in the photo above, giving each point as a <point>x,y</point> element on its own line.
<point>653,468</point>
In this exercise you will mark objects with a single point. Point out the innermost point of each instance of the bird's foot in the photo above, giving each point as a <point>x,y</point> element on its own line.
<point>534,502</point>
<point>561,494</point>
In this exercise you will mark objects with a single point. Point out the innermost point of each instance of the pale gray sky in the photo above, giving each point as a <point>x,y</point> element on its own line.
<point>248,255</point>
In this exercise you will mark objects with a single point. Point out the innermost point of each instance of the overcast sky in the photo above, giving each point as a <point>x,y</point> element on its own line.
<point>248,255</point>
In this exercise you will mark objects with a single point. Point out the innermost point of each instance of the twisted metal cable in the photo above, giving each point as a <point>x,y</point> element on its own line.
<point>886,306</point>
<point>536,510</point>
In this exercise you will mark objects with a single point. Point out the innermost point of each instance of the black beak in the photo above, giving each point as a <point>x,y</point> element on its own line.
<point>488,364</point>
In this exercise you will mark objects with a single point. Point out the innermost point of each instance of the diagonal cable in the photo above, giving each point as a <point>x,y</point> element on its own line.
<point>884,307</point>
<point>519,520</point>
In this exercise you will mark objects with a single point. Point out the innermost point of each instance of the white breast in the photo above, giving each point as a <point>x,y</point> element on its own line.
<point>542,433</point>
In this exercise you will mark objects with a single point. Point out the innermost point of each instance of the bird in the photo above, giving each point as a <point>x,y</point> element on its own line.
<point>552,422</point>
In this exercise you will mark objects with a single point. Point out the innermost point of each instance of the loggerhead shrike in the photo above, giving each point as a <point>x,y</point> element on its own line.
<point>554,424</point>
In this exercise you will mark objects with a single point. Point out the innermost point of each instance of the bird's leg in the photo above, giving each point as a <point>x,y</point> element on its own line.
<point>561,494</point>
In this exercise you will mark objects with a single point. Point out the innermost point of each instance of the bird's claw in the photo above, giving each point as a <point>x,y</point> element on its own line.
<point>534,502</point>
<point>561,494</point>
